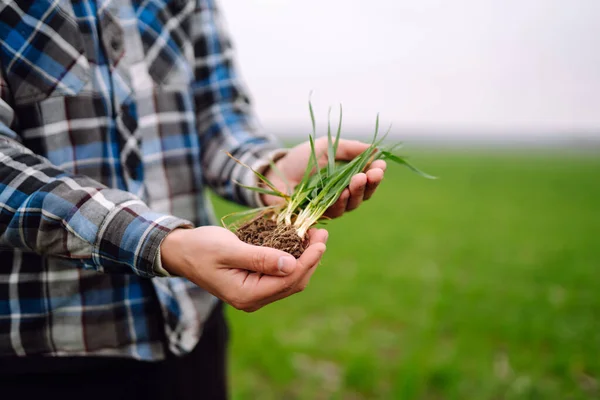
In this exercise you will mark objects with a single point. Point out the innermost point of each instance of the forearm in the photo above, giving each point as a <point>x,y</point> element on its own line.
<point>50,212</point>
<point>225,119</point>
<point>227,177</point>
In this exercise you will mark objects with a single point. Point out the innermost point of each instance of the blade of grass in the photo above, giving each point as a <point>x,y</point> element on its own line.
<point>376,128</point>
<point>377,143</point>
<point>244,213</point>
<point>263,190</point>
<point>310,166</point>
<point>402,161</point>
<point>279,174</point>
<point>313,157</point>
<point>337,136</point>
<point>330,149</point>
<point>312,116</point>
<point>258,174</point>
<point>394,147</point>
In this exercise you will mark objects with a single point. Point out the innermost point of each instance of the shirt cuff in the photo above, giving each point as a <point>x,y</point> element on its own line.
<point>260,164</point>
<point>158,268</point>
<point>130,237</point>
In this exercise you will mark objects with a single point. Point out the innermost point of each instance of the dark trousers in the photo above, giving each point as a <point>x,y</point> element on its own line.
<point>198,375</point>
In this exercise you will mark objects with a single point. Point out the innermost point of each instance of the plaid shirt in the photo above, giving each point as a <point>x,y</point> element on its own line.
<point>113,118</point>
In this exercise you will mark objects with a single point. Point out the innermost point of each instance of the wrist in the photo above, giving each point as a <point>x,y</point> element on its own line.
<point>171,252</point>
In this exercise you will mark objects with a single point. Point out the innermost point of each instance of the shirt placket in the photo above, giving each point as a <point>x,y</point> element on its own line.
<point>124,104</point>
<point>129,80</point>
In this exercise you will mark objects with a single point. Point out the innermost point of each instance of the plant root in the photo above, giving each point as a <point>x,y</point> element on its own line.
<point>265,232</point>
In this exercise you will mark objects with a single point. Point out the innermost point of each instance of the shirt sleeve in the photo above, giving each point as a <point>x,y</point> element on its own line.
<point>46,210</point>
<point>226,122</point>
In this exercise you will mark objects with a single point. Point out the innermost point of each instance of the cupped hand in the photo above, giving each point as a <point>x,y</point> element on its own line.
<point>244,276</point>
<point>361,187</point>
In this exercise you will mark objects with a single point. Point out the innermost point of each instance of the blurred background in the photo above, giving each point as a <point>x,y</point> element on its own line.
<point>483,284</point>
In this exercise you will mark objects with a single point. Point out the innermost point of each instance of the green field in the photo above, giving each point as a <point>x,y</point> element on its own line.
<point>484,284</point>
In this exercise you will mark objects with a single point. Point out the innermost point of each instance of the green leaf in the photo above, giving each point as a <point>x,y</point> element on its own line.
<point>318,191</point>
<point>310,165</point>
<point>339,131</point>
<point>281,176</point>
<point>263,190</point>
<point>376,128</point>
<point>312,117</point>
<point>394,147</point>
<point>402,161</point>
<point>244,213</point>
<point>385,135</point>
<point>313,157</point>
<point>330,149</point>
<point>258,174</point>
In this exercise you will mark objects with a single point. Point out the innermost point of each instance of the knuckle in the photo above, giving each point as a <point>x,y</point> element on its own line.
<point>259,260</point>
<point>287,287</point>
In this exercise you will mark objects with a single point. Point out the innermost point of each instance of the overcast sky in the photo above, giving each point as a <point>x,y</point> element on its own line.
<point>484,65</point>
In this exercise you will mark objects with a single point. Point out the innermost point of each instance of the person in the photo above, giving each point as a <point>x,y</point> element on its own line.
<point>114,121</point>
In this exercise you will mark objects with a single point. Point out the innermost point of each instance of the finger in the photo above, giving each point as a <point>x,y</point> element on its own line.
<point>382,165</point>
<point>262,290</point>
<point>338,208</point>
<point>259,290</point>
<point>307,265</point>
<point>357,188</point>
<point>374,178</point>
<point>265,260</point>
<point>317,236</point>
<point>306,278</point>
<point>309,259</point>
<point>349,149</point>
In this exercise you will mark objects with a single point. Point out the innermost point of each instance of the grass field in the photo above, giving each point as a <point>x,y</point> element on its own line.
<point>484,284</point>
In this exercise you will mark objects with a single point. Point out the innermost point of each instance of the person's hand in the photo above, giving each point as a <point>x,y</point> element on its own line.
<point>244,276</point>
<point>294,163</point>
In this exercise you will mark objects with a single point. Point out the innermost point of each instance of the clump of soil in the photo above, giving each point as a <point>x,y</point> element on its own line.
<point>265,232</point>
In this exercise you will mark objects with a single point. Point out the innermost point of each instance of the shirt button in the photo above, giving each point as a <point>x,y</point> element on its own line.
<point>112,36</point>
<point>116,44</point>
<point>179,4</point>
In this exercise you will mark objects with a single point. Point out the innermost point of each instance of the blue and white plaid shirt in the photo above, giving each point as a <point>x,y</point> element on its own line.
<point>113,118</point>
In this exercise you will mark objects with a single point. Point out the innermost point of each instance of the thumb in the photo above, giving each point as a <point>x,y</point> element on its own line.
<point>350,149</point>
<point>265,260</point>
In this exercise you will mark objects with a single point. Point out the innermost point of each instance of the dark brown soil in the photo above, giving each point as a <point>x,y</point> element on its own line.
<point>265,232</point>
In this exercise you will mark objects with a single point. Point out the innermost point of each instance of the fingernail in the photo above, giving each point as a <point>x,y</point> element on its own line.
<point>326,237</point>
<point>286,264</point>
